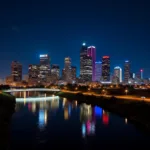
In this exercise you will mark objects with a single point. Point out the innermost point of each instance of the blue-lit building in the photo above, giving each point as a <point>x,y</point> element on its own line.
<point>98,70</point>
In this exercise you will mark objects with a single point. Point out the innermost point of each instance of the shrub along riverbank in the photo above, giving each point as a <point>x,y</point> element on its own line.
<point>7,108</point>
<point>136,111</point>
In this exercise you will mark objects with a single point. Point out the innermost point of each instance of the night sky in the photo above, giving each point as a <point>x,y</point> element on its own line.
<point>119,28</point>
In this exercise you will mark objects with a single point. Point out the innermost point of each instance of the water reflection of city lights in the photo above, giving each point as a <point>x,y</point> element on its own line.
<point>69,110</point>
<point>24,93</point>
<point>54,104</point>
<point>83,130</point>
<point>42,119</point>
<point>64,101</point>
<point>34,107</point>
<point>105,119</point>
<point>98,111</point>
<point>76,103</point>
<point>66,114</point>
<point>87,115</point>
<point>45,117</point>
<point>29,106</point>
<point>92,128</point>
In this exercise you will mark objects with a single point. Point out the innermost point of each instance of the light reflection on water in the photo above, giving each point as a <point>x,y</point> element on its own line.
<point>61,119</point>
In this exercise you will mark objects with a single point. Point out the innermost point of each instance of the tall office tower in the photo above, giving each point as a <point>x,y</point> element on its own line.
<point>91,51</point>
<point>141,71</point>
<point>55,72</point>
<point>106,68</point>
<point>16,71</point>
<point>133,75</point>
<point>98,70</point>
<point>73,73</point>
<point>67,70</point>
<point>63,74</point>
<point>85,65</point>
<point>44,68</point>
<point>118,73</point>
<point>126,71</point>
<point>45,60</point>
<point>33,73</point>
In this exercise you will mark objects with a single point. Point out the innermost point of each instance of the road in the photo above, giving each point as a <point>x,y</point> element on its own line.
<point>128,97</point>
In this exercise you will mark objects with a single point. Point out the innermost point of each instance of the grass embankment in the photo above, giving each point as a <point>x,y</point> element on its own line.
<point>136,111</point>
<point>6,99</point>
<point>7,104</point>
<point>7,108</point>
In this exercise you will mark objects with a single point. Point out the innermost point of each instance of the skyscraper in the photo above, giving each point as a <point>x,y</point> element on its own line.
<point>44,75</point>
<point>92,52</point>
<point>67,70</point>
<point>118,73</point>
<point>33,73</point>
<point>106,68</point>
<point>141,73</point>
<point>63,74</point>
<point>45,60</point>
<point>55,72</point>
<point>98,70</point>
<point>16,71</point>
<point>85,65</point>
<point>73,73</point>
<point>126,71</point>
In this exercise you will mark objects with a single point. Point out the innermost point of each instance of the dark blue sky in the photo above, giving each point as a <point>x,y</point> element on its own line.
<point>119,28</point>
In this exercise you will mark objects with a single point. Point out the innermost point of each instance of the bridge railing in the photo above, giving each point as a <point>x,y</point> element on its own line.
<point>32,89</point>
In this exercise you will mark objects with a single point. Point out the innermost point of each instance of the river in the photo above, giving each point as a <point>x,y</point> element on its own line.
<point>60,123</point>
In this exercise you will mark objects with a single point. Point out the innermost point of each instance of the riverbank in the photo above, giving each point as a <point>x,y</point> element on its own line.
<point>7,108</point>
<point>136,111</point>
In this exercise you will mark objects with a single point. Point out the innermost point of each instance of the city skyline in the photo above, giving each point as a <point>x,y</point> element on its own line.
<point>78,67</point>
<point>118,30</point>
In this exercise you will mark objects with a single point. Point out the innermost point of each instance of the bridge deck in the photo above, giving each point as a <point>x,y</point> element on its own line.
<point>32,89</point>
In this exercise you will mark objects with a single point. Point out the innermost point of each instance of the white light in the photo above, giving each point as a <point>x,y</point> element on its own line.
<point>36,99</point>
<point>43,55</point>
<point>84,44</point>
<point>117,67</point>
<point>91,47</point>
<point>106,82</point>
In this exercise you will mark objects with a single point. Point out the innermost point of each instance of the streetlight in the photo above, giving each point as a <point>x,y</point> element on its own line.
<point>126,91</point>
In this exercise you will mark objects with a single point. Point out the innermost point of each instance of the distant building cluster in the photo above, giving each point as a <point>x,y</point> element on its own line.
<point>91,70</point>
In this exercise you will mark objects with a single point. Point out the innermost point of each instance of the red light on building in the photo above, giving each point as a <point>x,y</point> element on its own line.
<point>105,56</point>
<point>141,70</point>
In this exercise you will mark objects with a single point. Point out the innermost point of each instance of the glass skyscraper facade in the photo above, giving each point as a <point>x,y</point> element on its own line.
<point>44,68</point>
<point>126,71</point>
<point>85,65</point>
<point>16,71</point>
<point>92,53</point>
<point>98,70</point>
<point>118,73</point>
<point>106,68</point>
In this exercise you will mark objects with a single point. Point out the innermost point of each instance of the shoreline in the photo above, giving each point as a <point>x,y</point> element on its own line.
<point>7,108</point>
<point>137,112</point>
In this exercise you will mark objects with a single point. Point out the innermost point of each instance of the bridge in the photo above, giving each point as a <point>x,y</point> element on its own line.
<point>37,99</point>
<point>32,89</point>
